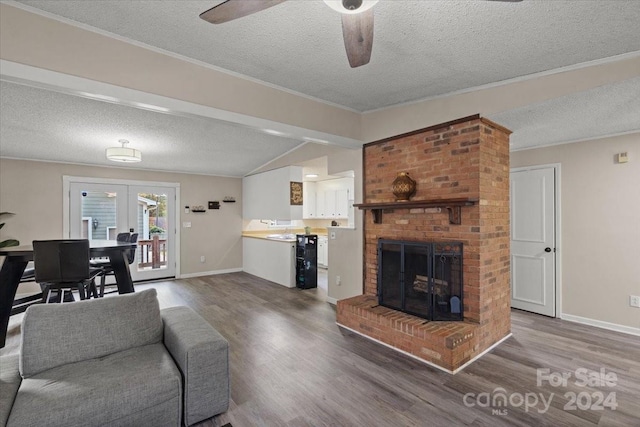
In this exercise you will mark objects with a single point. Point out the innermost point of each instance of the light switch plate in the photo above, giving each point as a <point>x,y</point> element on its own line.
<point>186,225</point>
<point>332,235</point>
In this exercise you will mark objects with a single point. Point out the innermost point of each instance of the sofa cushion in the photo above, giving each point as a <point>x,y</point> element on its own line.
<point>9,383</point>
<point>57,334</point>
<point>111,390</point>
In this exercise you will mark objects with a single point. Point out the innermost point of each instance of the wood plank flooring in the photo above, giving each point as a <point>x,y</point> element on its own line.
<point>292,366</point>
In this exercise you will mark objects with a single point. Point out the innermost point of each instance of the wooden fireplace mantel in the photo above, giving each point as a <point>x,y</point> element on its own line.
<point>452,205</point>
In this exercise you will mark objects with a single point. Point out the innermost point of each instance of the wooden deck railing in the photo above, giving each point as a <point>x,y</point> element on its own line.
<point>153,252</point>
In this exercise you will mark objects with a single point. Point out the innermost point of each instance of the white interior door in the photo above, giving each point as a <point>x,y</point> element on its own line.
<point>533,253</point>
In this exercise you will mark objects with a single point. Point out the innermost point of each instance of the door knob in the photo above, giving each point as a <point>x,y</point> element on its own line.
<point>547,249</point>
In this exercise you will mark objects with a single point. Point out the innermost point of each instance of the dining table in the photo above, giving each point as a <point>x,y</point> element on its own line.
<point>16,259</point>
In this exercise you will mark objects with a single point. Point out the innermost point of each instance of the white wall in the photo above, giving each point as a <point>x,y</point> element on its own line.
<point>267,195</point>
<point>600,246</point>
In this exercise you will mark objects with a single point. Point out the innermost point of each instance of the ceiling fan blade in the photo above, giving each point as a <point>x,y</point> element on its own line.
<point>234,9</point>
<point>357,30</point>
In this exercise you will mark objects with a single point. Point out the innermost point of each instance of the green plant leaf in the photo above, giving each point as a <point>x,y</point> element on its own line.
<point>9,242</point>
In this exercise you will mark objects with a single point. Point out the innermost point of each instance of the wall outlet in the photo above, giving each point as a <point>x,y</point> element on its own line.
<point>202,259</point>
<point>622,157</point>
<point>338,281</point>
<point>634,301</point>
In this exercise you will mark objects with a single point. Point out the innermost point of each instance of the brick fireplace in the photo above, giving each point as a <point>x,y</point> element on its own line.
<point>462,194</point>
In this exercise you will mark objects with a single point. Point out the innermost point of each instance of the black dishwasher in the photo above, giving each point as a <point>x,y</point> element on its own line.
<point>306,261</point>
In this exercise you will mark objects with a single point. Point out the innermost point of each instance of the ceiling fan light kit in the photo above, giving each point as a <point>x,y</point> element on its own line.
<point>124,154</point>
<point>350,6</point>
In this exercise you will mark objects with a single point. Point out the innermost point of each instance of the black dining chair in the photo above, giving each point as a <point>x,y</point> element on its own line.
<point>21,304</point>
<point>104,261</point>
<point>107,268</point>
<point>63,265</point>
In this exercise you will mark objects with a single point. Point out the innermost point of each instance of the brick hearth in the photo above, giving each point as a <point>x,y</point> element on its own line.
<point>467,158</point>
<point>446,344</point>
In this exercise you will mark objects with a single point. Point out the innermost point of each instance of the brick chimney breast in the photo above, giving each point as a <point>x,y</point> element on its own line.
<point>465,158</point>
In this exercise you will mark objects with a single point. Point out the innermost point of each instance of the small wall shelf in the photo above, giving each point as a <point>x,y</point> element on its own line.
<point>452,205</point>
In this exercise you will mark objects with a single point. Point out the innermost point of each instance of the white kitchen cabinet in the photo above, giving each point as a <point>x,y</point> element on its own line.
<point>335,204</point>
<point>272,260</point>
<point>267,195</point>
<point>309,209</point>
<point>323,251</point>
<point>330,203</point>
<point>321,205</point>
<point>327,199</point>
<point>342,203</point>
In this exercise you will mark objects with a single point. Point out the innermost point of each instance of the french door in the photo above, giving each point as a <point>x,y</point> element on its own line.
<point>99,211</point>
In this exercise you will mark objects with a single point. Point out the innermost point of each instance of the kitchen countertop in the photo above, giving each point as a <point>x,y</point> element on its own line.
<point>262,234</point>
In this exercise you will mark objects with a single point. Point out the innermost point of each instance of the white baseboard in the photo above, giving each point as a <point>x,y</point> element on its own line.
<point>210,273</point>
<point>333,301</point>
<point>426,361</point>
<point>600,324</point>
<point>491,347</point>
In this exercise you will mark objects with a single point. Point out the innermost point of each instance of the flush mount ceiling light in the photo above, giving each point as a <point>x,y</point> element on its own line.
<point>311,175</point>
<point>124,154</point>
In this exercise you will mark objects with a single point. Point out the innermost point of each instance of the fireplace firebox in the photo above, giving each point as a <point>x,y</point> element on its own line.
<point>421,278</point>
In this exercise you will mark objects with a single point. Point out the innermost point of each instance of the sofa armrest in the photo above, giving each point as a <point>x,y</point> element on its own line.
<point>202,355</point>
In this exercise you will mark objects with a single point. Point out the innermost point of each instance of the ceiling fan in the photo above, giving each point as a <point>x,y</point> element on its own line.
<point>357,21</point>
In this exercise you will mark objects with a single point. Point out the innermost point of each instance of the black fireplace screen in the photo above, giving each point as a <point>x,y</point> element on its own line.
<point>421,278</point>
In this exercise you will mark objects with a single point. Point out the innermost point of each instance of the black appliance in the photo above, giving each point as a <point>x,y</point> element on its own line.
<point>306,261</point>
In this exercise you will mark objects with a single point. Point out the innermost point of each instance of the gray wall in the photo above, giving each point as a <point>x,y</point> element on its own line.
<point>600,240</point>
<point>33,191</point>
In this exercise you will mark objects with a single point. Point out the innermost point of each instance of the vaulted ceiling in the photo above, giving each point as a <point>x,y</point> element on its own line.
<point>423,50</point>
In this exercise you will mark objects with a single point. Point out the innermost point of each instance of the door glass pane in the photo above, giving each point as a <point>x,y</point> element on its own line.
<point>98,213</point>
<point>152,226</point>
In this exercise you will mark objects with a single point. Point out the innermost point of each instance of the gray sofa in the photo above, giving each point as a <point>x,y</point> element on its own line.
<point>118,361</point>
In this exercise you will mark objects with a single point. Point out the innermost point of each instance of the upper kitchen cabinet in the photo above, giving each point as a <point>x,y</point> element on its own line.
<point>328,199</point>
<point>275,194</point>
<point>309,208</point>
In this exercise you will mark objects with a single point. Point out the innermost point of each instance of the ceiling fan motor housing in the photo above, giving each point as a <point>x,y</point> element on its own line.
<point>352,4</point>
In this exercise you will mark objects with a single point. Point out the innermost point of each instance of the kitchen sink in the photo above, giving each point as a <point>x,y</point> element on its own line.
<point>282,236</point>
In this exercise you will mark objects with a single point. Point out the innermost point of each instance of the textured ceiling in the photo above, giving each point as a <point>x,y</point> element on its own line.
<point>44,125</point>
<point>603,111</point>
<point>421,48</point>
